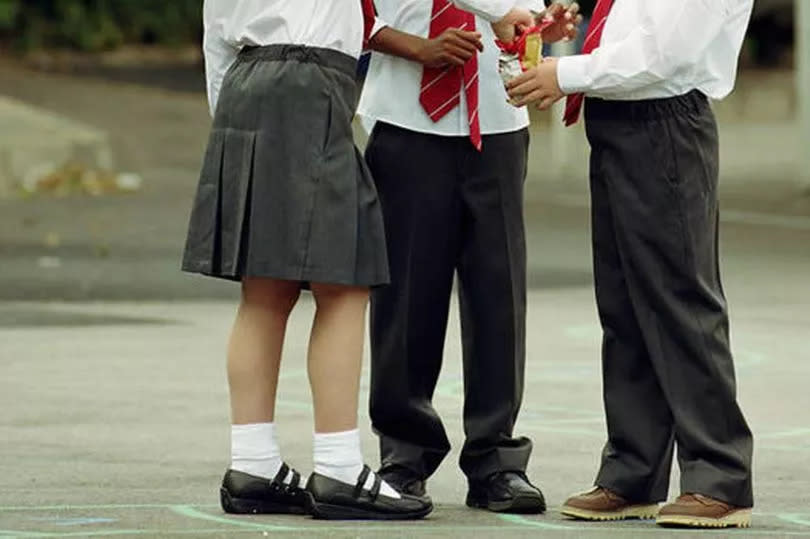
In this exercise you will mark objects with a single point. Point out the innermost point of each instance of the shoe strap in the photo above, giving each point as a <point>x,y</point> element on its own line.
<point>282,474</point>
<point>295,482</point>
<point>375,489</point>
<point>361,481</point>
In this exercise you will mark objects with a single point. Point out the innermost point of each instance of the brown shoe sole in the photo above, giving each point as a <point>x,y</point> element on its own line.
<point>741,518</point>
<point>641,512</point>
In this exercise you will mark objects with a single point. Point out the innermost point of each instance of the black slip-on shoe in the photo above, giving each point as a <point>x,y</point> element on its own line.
<point>404,480</point>
<point>243,493</point>
<point>335,500</point>
<point>506,492</point>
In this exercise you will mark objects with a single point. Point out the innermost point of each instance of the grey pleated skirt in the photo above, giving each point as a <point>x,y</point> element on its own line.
<point>284,193</point>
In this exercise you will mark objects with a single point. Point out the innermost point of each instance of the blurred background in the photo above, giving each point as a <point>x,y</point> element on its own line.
<point>103,119</point>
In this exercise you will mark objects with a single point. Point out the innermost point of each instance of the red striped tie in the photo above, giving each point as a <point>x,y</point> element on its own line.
<point>573,105</point>
<point>369,16</point>
<point>442,87</point>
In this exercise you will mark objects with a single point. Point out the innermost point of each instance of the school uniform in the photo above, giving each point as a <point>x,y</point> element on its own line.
<point>283,191</point>
<point>668,371</point>
<point>285,194</point>
<point>451,186</point>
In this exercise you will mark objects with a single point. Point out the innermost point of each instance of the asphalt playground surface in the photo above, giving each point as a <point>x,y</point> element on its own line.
<point>113,402</point>
<point>115,413</point>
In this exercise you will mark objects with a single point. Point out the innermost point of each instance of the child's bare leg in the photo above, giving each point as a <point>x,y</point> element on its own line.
<point>335,364</point>
<point>336,355</point>
<point>254,358</point>
<point>254,352</point>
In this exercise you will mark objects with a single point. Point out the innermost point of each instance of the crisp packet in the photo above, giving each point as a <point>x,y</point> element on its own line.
<point>524,53</point>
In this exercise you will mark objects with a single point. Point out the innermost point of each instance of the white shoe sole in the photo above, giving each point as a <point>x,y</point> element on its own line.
<point>642,512</point>
<point>741,518</point>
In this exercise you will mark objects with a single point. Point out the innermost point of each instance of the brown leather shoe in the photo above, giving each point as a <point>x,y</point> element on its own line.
<point>603,504</point>
<point>698,511</point>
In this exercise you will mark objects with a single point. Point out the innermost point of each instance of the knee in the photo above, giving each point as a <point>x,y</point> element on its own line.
<point>328,295</point>
<point>271,294</point>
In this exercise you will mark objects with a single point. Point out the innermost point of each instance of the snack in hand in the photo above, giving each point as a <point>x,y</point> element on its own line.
<point>524,53</point>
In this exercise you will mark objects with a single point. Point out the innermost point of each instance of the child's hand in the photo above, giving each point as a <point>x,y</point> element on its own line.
<point>453,47</point>
<point>538,85</point>
<point>516,21</point>
<point>566,22</point>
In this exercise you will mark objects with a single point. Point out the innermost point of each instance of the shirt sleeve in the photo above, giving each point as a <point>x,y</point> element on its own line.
<point>491,10</point>
<point>379,24</point>
<point>218,52</point>
<point>531,5</point>
<point>671,38</point>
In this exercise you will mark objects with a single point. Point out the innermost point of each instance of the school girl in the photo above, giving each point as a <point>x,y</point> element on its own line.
<point>286,202</point>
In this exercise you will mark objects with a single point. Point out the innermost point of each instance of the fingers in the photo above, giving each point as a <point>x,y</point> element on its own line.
<point>519,17</point>
<point>504,31</point>
<point>519,81</point>
<point>541,99</point>
<point>531,97</point>
<point>460,44</point>
<point>524,88</point>
<point>457,55</point>
<point>524,20</point>
<point>572,11</point>
<point>466,40</point>
<point>447,59</point>
<point>570,31</point>
<point>572,27</point>
<point>553,12</point>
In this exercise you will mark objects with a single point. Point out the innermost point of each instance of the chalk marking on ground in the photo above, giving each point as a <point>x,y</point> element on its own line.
<point>190,512</point>
<point>13,533</point>
<point>77,521</point>
<point>798,519</point>
<point>97,506</point>
<point>106,533</point>
<point>517,522</point>
<point>653,529</point>
<point>523,521</point>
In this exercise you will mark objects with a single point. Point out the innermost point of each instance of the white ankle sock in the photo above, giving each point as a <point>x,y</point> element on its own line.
<point>337,455</point>
<point>255,450</point>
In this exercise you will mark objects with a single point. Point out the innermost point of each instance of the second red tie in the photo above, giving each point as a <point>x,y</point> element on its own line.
<point>369,18</point>
<point>442,87</point>
<point>573,105</point>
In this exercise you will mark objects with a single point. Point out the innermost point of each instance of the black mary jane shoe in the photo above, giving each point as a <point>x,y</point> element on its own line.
<point>335,500</point>
<point>506,492</point>
<point>243,493</point>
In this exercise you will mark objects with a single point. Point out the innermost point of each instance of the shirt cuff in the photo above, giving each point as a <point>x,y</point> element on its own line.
<point>572,73</point>
<point>379,24</point>
<point>532,5</point>
<point>491,10</point>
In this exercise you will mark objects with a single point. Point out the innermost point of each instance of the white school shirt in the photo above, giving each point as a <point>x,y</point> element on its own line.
<point>231,24</point>
<point>393,84</point>
<point>662,48</point>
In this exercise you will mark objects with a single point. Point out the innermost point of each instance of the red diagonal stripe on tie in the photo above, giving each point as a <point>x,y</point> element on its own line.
<point>441,88</point>
<point>573,105</point>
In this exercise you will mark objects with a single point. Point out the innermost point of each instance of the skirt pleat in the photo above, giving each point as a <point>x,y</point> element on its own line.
<point>283,192</point>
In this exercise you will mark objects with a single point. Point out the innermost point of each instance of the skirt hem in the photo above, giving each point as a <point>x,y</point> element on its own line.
<point>293,276</point>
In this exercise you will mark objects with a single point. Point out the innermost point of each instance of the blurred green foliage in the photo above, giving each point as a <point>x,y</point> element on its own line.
<point>96,25</point>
